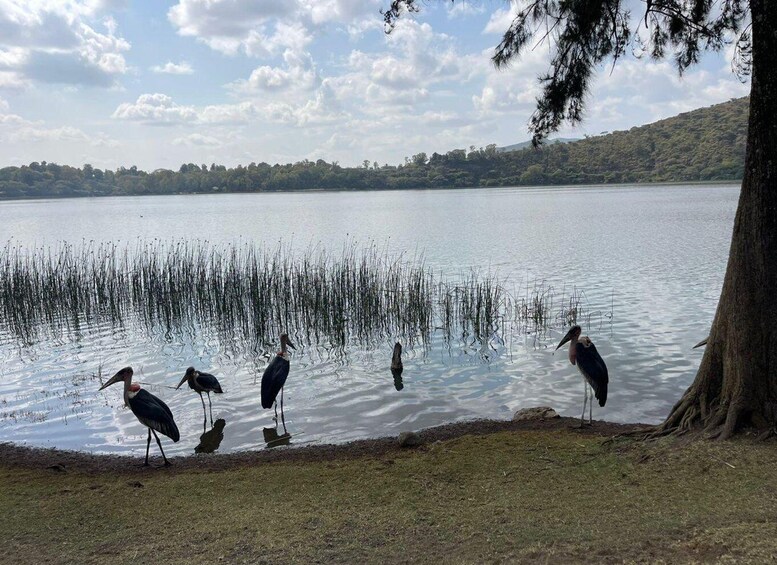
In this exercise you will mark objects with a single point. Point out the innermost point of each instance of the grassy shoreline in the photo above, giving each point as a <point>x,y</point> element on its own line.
<point>496,492</point>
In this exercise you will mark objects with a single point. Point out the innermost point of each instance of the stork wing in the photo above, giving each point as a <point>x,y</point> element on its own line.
<point>154,413</point>
<point>594,370</point>
<point>273,379</point>
<point>208,382</point>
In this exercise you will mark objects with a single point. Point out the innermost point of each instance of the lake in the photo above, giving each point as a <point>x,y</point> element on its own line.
<point>647,263</point>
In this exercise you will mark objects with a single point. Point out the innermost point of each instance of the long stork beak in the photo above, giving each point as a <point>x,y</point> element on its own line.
<point>702,342</point>
<point>566,338</point>
<point>183,380</point>
<point>117,378</point>
<point>288,342</point>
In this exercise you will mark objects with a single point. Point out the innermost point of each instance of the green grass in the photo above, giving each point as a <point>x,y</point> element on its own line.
<point>533,496</point>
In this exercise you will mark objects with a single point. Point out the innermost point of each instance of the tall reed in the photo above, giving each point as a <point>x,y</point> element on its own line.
<point>252,294</point>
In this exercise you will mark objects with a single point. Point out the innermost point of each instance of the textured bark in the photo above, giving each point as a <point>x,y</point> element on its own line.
<point>736,385</point>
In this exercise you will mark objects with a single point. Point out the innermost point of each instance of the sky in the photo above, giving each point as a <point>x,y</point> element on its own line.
<point>159,83</point>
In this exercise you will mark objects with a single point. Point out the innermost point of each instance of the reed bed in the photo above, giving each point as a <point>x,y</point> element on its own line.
<point>251,294</point>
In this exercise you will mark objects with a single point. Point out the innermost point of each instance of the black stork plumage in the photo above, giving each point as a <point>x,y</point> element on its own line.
<point>582,352</point>
<point>201,382</point>
<point>148,409</point>
<point>274,377</point>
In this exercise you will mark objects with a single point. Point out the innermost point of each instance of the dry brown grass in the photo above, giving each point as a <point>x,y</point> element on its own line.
<point>535,496</point>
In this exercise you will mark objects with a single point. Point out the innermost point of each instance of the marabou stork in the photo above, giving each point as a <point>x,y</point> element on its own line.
<point>199,383</point>
<point>274,377</point>
<point>582,352</point>
<point>396,366</point>
<point>151,411</point>
<point>396,357</point>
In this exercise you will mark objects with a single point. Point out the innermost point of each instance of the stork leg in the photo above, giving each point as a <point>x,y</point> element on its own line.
<point>585,401</point>
<point>210,407</point>
<point>159,443</point>
<point>275,405</point>
<point>204,412</point>
<point>148,444</point>
<point>590,406</point>
<point>283,420</point>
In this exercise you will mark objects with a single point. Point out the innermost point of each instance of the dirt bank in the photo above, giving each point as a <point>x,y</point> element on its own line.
<point>12,455</point>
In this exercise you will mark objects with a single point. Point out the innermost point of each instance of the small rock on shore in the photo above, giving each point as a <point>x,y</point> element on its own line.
<point>409,439</point>
<point>536,413</point>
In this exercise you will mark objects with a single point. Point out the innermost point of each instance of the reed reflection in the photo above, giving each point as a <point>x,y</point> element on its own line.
<point>211,439</point>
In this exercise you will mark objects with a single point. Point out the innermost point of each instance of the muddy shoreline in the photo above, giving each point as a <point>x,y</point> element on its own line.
<point>59,461</point>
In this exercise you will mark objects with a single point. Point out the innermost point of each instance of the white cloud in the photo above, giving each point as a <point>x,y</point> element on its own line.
<point>57,42</point>
<point>230,26</point>
<point>341,11</point>
<point>12,120</point>
<point>18,130</point>
<point>65,133</point>
<point>442,118</point>
<point>240,113</point>
<point>416,62</point>
<point>155,109</point>
<point>10,80</point>
<point>463,9</point>
<point>261,27</point>
<point>160,110</point>
<point>647,91</point>
<point>197,139</point>
<point>304,78</point>
<point>322,108</point>
<point>299,73</point>
<point>170,68</point>
<point>501,19</point>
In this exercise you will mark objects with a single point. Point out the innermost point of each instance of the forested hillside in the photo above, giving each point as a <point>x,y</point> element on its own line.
<point>702,145</point>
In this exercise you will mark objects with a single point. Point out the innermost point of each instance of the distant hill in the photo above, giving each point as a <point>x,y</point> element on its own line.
<point>703,145</point>
<point>525,144</point>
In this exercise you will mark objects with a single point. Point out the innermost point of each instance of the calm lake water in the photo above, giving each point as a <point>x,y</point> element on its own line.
<point>649,262</point>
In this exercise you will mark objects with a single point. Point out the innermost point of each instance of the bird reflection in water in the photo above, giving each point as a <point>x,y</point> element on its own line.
<point>272,439</point>
<point>211,440</point>
<point>397,374</point>
<point>396,366</point>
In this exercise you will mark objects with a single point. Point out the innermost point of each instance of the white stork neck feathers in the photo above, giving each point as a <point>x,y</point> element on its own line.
<point>130,391</point>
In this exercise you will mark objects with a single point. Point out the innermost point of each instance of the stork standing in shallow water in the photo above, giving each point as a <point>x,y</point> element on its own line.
<point>582,353</point>
<point>396,366</point>
<point>148,409</point>
<point>202,382</point>
<point>274,377</point>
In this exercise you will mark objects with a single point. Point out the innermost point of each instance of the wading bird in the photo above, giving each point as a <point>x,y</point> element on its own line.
<point>151,411</point>
<point>396,366</point>
<point>199,383</point>
<point>396,357</point>
<point>582,353</point>
<point>274,378</point>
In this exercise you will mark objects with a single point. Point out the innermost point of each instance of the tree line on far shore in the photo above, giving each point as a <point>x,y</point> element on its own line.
<point>703,145</point>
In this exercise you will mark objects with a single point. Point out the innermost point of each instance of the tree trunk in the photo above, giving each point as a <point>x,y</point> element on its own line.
<point>736,385</point>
